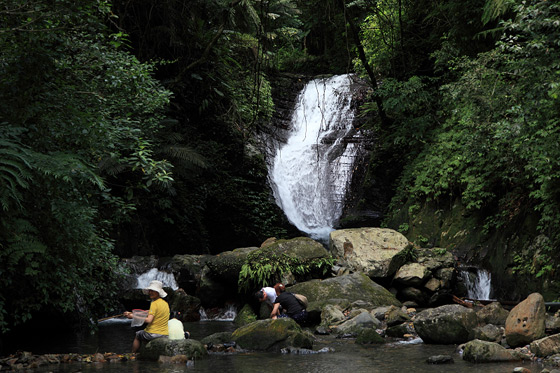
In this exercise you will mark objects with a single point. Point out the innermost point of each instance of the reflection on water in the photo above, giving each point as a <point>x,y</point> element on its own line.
<point>348,357</point>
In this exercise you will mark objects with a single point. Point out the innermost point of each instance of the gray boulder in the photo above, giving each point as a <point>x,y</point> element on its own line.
<point>272,335</point>
<point>488,332</point>
<point>364,320</point>
<point>191,348</point>
<point>478,351</point>
<point>331,314</point>
<point>447,324</point>
<point>370,250</point>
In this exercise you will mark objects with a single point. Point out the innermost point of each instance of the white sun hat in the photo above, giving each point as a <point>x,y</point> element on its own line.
<point>156,286</point>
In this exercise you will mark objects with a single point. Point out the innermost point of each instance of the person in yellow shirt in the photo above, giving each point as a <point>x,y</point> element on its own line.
<point>157,318</point>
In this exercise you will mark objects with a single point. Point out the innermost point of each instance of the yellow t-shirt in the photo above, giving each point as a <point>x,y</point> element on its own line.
<point>160,309</point>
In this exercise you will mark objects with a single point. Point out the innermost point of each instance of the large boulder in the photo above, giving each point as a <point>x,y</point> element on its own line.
<point>374,251</point>
<point>449,324</point>
<point>478,351</point>
<point>526,321</point>
<point>272,335</point>
<point>546,346</point>
<point>191,348</point>
<point>351,288</point>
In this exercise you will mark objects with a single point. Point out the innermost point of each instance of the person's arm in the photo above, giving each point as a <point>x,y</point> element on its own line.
<point>275,309</point>
<point>149,319</point>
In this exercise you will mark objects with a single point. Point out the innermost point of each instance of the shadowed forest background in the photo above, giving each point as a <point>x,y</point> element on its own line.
<point>129,128</point>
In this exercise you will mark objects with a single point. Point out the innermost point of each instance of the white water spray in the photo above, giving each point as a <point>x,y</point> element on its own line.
<point>311,172</point>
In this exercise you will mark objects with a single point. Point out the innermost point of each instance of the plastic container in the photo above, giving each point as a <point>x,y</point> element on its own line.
<point>138,317</point>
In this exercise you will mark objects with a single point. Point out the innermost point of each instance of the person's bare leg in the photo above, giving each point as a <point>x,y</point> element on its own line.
<point>135,345</point>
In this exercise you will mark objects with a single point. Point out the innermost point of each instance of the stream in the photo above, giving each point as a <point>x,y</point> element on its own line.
<point>394,356</point>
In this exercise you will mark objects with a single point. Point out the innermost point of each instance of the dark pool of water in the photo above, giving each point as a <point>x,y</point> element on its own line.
<point>117,336</point>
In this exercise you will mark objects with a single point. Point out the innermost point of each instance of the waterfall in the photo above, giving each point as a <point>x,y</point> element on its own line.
<point>478,284</point>
<point>168,279</point>
<point>310,173</point>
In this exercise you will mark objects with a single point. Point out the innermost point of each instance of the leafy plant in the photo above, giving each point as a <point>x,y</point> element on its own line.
<point>264,266</point>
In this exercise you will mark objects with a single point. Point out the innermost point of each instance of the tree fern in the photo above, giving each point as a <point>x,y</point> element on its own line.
<point>15,172</point>
<point>494,9</point>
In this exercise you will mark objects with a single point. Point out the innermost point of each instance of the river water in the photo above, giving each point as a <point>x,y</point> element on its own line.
<point>395,356</point>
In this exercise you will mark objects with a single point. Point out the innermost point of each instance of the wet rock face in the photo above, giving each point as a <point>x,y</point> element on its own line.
<point>526,321</point>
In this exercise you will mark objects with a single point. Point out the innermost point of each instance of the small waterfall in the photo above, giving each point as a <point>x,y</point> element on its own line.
<point>478,284</point>
<point>168,279</point>
<point>311,172</point>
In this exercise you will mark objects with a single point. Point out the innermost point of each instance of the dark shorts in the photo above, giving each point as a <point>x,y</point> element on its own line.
<point>300,317</point>
<point>146,337</point>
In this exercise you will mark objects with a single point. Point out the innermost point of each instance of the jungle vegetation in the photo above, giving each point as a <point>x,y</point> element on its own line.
<point>127,127</point>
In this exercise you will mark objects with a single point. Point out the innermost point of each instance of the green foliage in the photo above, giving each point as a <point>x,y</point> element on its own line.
<point>264,266</point>
<point>497,148</point>
<point>409,254</point>
<point>76,112</point>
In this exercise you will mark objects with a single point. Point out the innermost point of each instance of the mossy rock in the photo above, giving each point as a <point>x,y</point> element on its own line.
<point>227,265</point>
<point>369,336</point>
<point>191,348</point>
<point>353,287</point>
<point>272,335</point>
<point>245,316</point>
<point>217,338</point>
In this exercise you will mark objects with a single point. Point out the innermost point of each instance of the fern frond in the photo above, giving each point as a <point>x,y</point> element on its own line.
<point>185,154</point>
<point>493,9</point>
<point>15,172</point>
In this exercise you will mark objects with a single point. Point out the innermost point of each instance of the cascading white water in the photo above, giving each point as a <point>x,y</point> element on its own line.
<point>168,279</point>
<point>478,285</point>
<point>311,172</point>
